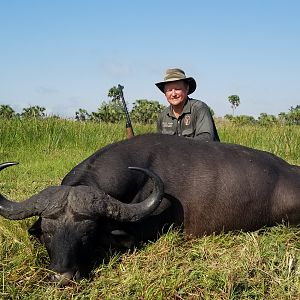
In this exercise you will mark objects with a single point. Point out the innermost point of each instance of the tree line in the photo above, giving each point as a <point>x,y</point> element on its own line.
<point>292,117</point>
<point>147,111</point>
<point>143,111</point>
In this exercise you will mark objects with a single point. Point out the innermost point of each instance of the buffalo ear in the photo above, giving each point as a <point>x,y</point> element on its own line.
<point>36,229</point>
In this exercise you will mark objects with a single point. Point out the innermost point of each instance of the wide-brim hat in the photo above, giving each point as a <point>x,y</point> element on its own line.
<point>176,75</point>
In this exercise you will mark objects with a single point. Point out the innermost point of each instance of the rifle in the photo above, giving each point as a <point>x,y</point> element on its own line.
<point>129,128</point>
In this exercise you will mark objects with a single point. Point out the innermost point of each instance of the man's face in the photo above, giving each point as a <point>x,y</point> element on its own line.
<point>176,92</point>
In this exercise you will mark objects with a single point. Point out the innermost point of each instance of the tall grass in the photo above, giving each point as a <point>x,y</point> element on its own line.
<point>49,136</point>
<point>259,265</point>
<point>47,149</point>
<point>280,140</point>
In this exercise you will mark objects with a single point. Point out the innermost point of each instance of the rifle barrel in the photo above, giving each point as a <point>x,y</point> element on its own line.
<point>128,121</point>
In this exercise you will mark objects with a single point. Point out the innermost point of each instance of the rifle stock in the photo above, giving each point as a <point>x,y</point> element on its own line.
<point>129,128</point>
<point>130,133</point>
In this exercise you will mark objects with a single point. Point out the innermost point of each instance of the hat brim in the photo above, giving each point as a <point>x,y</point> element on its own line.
<point>190,81</point>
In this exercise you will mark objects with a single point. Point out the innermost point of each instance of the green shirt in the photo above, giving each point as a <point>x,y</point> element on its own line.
<point>195,121</point>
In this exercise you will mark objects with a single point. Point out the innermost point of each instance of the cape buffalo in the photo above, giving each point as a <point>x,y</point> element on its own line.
<point>208,187</point>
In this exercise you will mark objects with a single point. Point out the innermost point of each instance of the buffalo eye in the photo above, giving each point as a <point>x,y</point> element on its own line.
<point>36,230</point>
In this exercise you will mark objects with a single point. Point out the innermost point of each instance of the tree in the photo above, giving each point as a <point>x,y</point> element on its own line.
<point>33,112</point>
<point>265,119</point>
<point>282,118</point>
<point>243,120</point>
<point>234,100</point>
<point>6,112</point>
<point>114,94</point>
<point>111,111</point>
<point>145,111</point>
<point>294,115</point>
<point>82,115</point>
<point>290,118</point>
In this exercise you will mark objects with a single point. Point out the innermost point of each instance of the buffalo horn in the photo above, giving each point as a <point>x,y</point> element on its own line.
<point>127,212</point>
<point>7,164</point>
<point>33,206</point>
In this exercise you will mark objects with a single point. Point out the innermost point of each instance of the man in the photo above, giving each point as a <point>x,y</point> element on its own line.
<point>185,116</point>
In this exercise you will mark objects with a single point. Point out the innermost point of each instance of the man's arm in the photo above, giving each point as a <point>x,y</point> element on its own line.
<point>205,128</point>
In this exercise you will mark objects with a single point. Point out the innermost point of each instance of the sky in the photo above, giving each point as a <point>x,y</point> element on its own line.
<point>65,55</point>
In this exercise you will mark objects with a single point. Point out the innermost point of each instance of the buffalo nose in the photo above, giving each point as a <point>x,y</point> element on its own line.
<point>61,278</point>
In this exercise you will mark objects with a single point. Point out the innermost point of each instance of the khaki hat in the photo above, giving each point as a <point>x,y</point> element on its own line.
<point>175,75</point>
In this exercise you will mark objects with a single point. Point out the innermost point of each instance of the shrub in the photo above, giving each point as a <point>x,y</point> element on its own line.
<point>145,111</point>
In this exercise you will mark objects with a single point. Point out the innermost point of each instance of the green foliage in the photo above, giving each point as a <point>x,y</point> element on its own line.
<point>82,115</point>
<point>33,112</point>
<point>228,117</point>
<point>266,120</point>
<point>145,111</point>
<point>241,119</point>
<point>114,94</point>
<point>234,100</point>
<point>7,112</point>
<point>111,111</point>
<point>292,117</point>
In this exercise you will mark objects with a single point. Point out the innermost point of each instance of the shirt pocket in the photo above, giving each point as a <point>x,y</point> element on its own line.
<point>169,131</point>
<point>168,128</point>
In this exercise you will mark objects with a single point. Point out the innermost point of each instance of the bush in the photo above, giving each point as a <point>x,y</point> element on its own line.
<point>145,111</point>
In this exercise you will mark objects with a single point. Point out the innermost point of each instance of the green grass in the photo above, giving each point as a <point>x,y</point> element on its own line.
<point>260,265</point>
<point>280,140</point>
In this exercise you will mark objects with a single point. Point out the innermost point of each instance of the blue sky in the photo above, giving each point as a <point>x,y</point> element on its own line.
<point>66,55</point>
